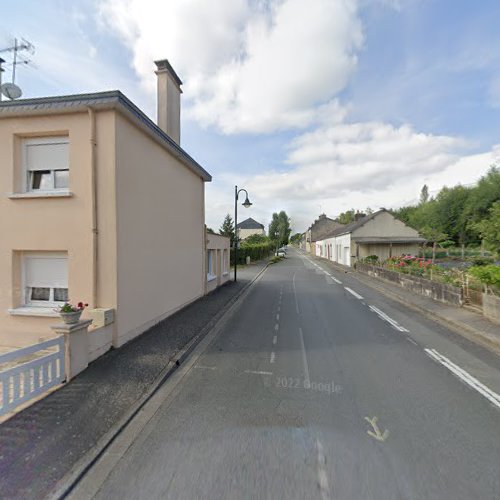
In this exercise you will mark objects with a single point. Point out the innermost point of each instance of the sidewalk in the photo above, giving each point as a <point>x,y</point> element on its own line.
<point>461,320</point>
<point>39,445</point>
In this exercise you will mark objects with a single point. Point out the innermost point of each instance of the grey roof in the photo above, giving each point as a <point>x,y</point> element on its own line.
<point>250,224</point>
<point>112,99</point>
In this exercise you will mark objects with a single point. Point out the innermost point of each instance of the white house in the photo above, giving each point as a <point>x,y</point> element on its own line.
<point>378,234</point>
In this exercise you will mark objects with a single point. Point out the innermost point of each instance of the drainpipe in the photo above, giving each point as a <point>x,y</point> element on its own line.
<point>93,145</point>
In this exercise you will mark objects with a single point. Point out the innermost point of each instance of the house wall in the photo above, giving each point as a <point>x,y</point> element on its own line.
<point>339,251</point>
<point>245,233</point>
<point>219,244</point>
<point>160,232</point>
<point>385,225</point>
<point>49,223</point>
<point>383,250</point>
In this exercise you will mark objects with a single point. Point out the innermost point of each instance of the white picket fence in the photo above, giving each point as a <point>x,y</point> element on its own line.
<point>21,381</point>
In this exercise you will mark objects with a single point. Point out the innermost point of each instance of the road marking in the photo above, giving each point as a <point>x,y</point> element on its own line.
<point>253,372</point>
<point>295,294</point>
<point>275,340</point>
<point>279,308</point>
<point>304,357</point>
<point>466,377</point>
<point>379,436</point>
<point>352,292</point>
<point>277,317</point>
<point>206,367</point>
<point>384,316</point>
<point>276,327</point>
<point>324,487</point>
<point>273,356</point>
<point>336,280</point>
<point>409,339</point>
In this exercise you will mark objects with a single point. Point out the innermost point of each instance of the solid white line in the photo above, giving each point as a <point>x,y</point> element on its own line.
<point>295,294</point>
<point>275,340</point>
<point>324,487</point>
<point>384,316</point>
<point>304,357</point>
<point>272,357</point>
<point>466,377</point>
<point>258,373</point>
<point>357,295</point>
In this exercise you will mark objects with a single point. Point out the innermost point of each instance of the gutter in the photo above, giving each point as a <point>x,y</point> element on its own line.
<point>95,231</point>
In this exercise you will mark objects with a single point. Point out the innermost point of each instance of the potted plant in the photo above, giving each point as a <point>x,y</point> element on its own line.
<point>70,313</point>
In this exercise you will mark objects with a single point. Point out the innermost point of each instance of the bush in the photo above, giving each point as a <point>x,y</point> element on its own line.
<point>254,251</point>
<point>483,261</point>
<point>489,275</point>
<point>275,259</point>
<point>371,259</point>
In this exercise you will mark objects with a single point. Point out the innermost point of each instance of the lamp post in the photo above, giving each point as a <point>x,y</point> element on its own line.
<point>246,204</point>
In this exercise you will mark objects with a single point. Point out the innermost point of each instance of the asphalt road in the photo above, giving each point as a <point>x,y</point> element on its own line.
<point>320,388</point>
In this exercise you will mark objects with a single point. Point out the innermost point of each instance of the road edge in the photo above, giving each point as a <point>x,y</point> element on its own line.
<point>70,480</point>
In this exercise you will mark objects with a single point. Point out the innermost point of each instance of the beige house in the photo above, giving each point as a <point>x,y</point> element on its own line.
<point>321,227</point>
<point>249,227</point>
<point>98,204</point>
<point>378,234</point>
<point>217,264</point>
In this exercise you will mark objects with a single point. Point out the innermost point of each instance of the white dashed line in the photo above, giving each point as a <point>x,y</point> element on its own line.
<point>276,327</point>
<point>352,292</point>
<point>304,357</point>
<point>409,339</point>
<point>471,381</point>
<point>295,294</point>
<point>258,372</point>
<point>384,316</point>
<point>201,367</point>
<point>336,280</point>
<point>324,487</point>
<point>275,340</point>
<point>273,356</point>
<point>277,317</point>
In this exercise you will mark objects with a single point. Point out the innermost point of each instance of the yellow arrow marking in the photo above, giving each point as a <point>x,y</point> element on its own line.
<point>379,436</point>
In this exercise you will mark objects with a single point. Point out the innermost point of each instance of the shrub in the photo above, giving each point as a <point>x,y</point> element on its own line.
<point>371,259</point>
<point>482,261</point>
<point>489,275</point>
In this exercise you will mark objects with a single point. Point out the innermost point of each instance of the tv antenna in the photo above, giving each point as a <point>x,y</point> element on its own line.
<point>20,47</point>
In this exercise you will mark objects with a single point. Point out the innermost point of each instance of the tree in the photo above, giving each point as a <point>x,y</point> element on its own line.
<point>295,239</point>
<point>346,217</point>
<point>227,228</point>
<point>210,230</point>
<point>279,229</point>
<point>256,239</point>
<point>424,194</point>
<point>489,229</point>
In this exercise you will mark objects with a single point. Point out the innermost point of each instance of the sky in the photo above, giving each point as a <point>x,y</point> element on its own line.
<point>312,106</point>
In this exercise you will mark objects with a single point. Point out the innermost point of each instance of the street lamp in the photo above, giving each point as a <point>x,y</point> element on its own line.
<point>246,204</point>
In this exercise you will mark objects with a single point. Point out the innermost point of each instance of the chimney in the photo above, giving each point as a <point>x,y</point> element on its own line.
<point>359,216</point>
<point>169,100</point>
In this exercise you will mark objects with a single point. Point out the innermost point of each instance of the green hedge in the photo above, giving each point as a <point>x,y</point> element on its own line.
<point>257,251</point>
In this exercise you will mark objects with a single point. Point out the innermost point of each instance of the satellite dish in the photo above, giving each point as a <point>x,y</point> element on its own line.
<point>11,91</point>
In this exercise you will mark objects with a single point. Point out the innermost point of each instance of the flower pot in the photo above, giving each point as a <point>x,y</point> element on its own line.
<point>72,317</point>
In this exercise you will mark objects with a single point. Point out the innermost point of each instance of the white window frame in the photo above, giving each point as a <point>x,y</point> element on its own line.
<point>40,304</point>
<point>28,173</point>
<point>210,265</point>
<point>225,262</point>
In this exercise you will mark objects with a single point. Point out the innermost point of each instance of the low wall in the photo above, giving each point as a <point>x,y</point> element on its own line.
<point>438,291</point>
<point>100,341</point>
<point>491,307</point>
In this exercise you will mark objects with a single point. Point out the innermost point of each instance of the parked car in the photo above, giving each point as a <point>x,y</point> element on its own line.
<point>281,252</point>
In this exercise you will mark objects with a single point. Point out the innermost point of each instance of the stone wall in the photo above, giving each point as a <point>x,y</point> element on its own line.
<point>491,307</point>
<point>438,291</point>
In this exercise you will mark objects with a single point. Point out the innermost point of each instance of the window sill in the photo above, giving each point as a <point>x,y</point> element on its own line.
<point>42,194</point>
<point>225,274</point>
<point>211,277</point>
<point>34,311</point>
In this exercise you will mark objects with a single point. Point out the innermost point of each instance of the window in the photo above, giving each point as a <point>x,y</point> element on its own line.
<point>46,163</point>
<point>45,279</point>
<point>211,265</point>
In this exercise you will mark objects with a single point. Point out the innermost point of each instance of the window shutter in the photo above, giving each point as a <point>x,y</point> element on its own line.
<point>47,156</point>
<point>46,271</point>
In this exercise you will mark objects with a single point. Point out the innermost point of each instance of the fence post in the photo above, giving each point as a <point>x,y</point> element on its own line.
<point>76,346</point>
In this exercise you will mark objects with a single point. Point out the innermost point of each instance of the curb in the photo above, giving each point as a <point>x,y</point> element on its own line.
<point>477,336</point>
<point>70,480</point>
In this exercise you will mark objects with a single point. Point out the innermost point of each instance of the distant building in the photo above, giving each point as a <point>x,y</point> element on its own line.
<point>249,227</point>
<point>379,234</point>
<point>321,226</point>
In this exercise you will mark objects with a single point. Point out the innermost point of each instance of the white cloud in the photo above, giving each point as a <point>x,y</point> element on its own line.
<point>248,66</point>
<point>333,169</point>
